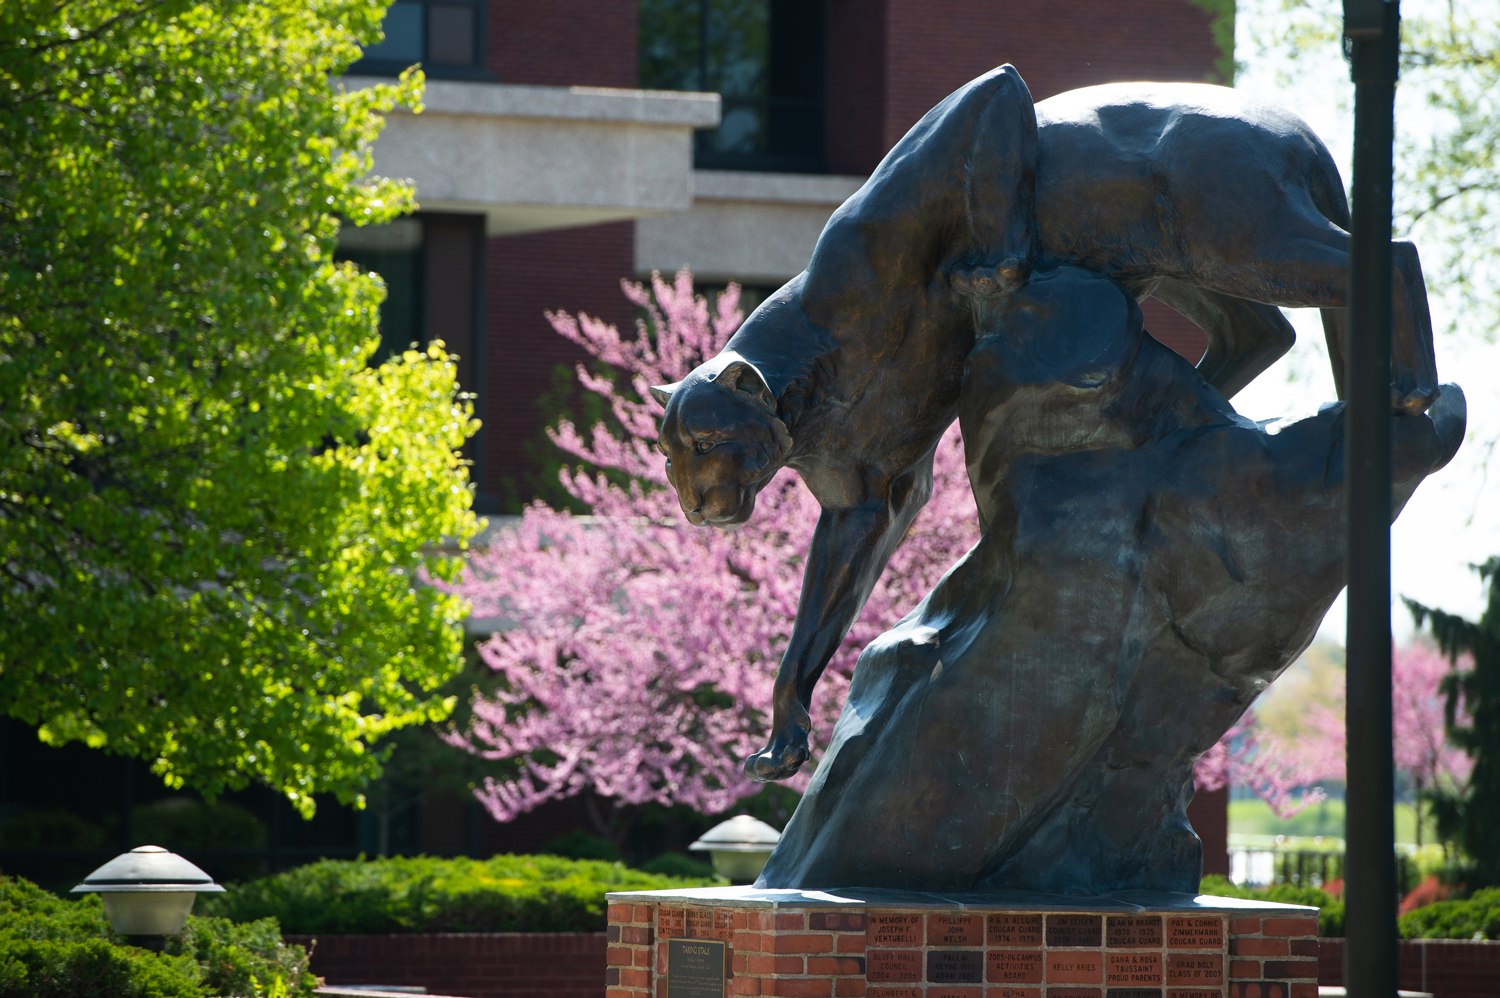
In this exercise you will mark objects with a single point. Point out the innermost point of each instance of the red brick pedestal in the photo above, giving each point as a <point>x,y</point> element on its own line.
<point>895,944</point>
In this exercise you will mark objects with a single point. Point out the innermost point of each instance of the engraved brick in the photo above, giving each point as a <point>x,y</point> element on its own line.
<point>1245,926</point>
<point>893,965</point>
<point>954,967</point>
<point>1258,947</point>
<point>1013,967</point>
<point>1194,993</point>
<point>952,991</point>
<point>1128,931</point>
<point>1074,968</point>
<point>1007,991</point>
<point>1133,970</point>
<point>836,921</point>
<point>834,966</point>
<point>669,922</point>
<point>635,935</point>
<point>1303,947</point>
<point>1240,970</point>
<point>1075,930</point>
<point>1074,993</point>
<point>700,924</point>
<point>804,987</point>
<point>955,930</point>
<point>1290,926</point>
<point>1195,969</point>
<point>1136,993</point>
<point>1014,930</point>
<point>849,944</point>
<point>790,921</point>
<point>849,988</point>
<point>1258,989</point>
<point>799,944</point>
<point>893,993</point>
<point>1195,932</point>
<point>723,924</point>
<point>890,929</point>
<point>1304,969</point>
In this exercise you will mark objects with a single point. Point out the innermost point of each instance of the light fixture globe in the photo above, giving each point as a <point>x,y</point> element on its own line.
<point>148,891</point>
<point>739,847</point>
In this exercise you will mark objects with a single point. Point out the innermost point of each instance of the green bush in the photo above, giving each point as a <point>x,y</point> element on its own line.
<point>1330,908</point>
<point>1477,917</point>
<point>423,894</point>
<point>581,845</point>
<point>677,864</point>
<point>52,947</point>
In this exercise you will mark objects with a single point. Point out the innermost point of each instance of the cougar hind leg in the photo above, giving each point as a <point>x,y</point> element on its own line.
<point>1244,337</point>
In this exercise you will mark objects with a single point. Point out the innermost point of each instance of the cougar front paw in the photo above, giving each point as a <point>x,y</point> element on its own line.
<point>783,757</point>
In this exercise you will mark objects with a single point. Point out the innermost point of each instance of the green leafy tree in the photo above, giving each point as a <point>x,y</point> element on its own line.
<point>215,516</point>
<point>1473,819</point>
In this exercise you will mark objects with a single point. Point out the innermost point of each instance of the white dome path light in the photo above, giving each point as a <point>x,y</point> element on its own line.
<point>148,893</point>
<point>739,847</point>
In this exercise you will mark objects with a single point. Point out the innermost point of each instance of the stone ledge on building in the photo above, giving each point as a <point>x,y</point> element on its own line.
<point>532,158</point>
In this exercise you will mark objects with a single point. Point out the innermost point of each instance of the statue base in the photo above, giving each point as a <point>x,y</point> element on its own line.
<point>875,943</point>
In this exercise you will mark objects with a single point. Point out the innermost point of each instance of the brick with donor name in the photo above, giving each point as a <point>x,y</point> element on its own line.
<point>1187,993</point>
<point>669,922</point>
<point>955,930</point>
<point>893,965</point>
<point>1075,968</point>
<point>1195,932</point>
<point>700,923</point>
<point>947,991</point>
<point>1014,930</point>
<point>1075,930</point>
<point>1201,969</point>
<point>1009,992</point>
<point>1013,966</point>
<point>895,993</point>
<point>1074,993</point>
<point>893,930</point>
<point>955,966</point>
<point>1137,993</point>
<point>1127,931</point>
<point>1133,969</point>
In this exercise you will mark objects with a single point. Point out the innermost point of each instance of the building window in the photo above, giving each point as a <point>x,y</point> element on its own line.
<point>445,36</point>
<point>765,57</point>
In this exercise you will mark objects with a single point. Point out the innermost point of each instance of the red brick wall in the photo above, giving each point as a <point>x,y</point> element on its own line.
<point>473,965</point>
<point>564,43</point>
<point>572,270</point>
<point>1444,968</point>
<point>897,58</point>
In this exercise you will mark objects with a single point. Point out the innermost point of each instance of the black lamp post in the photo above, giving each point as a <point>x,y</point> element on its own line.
<point>1372,35</point>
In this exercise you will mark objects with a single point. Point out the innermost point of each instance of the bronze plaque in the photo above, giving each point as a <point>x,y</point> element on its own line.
<point>1133,970</point>
<point>955,930</point>
<point>1014,967</point>
<point>893,930</point>
<point>1015,930</point>
<point>1075,968</point>
<point>898,965</point>
<point>695,968</point>
<point>1129,931</point>
<point>1195,932</point>
<point>1195,969</point>
<point>955,966</point>
<point>1075,930</point>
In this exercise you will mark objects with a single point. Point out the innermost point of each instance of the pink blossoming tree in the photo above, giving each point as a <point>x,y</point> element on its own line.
<point>640,663</point>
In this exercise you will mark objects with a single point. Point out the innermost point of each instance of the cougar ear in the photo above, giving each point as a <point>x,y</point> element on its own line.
<point>663,393</point>
<point>743,378</point>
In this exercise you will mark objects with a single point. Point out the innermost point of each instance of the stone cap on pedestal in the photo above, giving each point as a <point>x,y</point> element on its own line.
<point>854,898</point>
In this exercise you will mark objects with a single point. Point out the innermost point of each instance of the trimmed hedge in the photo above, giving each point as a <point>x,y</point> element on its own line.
<point>425,894</point>
<point>60,949</point>
<point>1330,908</point>
<point>1477,917</point>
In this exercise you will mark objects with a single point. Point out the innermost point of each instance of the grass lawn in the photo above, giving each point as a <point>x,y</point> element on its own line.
<point>1254,817</point>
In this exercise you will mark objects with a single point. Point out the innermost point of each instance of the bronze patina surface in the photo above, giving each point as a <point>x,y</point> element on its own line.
<point>1150,559</point>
